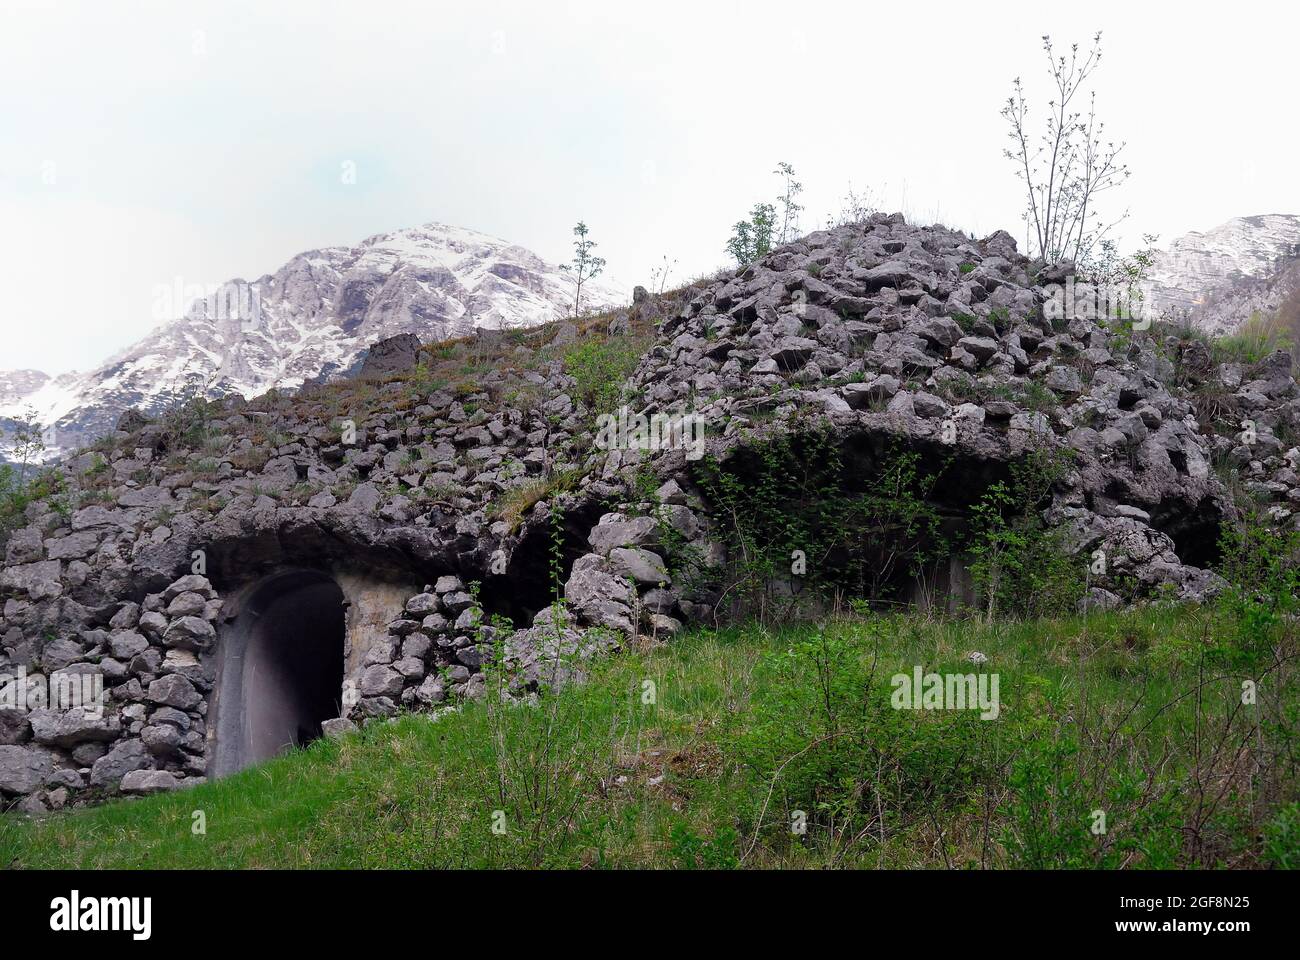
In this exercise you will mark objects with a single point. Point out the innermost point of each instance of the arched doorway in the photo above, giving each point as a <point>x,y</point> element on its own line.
<point>279,668</point>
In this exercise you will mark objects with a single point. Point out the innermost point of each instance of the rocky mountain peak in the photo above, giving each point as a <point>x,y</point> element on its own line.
<point>309,321</point>
<point>1219,278</point>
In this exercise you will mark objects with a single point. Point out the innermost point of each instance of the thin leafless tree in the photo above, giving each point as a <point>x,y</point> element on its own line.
<point>1070,165</point>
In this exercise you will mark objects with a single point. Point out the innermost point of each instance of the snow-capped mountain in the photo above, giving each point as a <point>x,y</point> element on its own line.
<point>1219,278</point>
<point>312,319</point>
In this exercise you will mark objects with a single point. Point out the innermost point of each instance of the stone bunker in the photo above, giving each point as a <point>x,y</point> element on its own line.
<point>358,539</point>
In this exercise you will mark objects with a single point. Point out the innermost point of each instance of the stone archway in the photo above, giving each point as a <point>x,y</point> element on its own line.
<point>280,668</point>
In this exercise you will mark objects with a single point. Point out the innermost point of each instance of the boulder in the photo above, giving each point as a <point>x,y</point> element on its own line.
<point>149,781</point>
<point>67,729</point>
<point>392,355</point>
<point>126,756</point>
<point>24,769</point>
<point>174,690</point>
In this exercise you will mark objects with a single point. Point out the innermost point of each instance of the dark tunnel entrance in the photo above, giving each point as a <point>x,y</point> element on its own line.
<point>528,585</point>
<point>279,669</point>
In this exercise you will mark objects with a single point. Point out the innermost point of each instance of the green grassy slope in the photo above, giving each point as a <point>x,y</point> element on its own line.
<point>703,754</point>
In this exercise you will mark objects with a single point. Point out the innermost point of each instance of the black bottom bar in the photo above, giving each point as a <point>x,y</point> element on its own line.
<point>330,908</point>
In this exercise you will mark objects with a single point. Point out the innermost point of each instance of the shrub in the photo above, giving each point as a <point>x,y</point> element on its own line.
<point>1282,839</point>
<point>1262,567</point>
<point>599,367</point>
<point>1021,567</point>
<point>15,496</point>
<point>752,238</point>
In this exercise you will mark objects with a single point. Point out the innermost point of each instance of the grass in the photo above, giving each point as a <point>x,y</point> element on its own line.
<point>516,502</point>
<point>1258,338</point>
<point>704,753</point>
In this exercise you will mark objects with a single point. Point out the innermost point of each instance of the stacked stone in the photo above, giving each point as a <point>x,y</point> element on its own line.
<point>885,329</point>
<point>624,583</point>
<point>436,649</point>
<point>149,733</point>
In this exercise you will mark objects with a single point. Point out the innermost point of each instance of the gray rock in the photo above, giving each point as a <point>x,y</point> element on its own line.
<point>337,727</point>
<point>162,739</point>
<point>60,653</point>
<point>125,644</point>
<point>24,769</point>
<point>457,603</point>
<point>422,604</point>
<point>942,332</point>
<point>149,781</point>
<point>191,583</point>
<point>67,729</point>
<point>392,355</point>
<point>660,600</point>
<point>187,605</point>
<point>40,580</point>
<point>174,690</point>
<point>177,718</point>
<point>642,566</point>
<point>365,499</point>
<point>876,391</point>
<point>72,547</point>
<point>189,633</point>
<point>381,681</point>
<point>1064,380</point>
<point>449,584</point>
<point>434,624</point>
<point>14,726</point>
<point>981,348</point>
<point>469,619</point>
<point>127,617</point>
<point>412,668</point>
<point>617,531</point>
<point>25,546</point>
<point>598,596</point>
<point>126,756</point>
<point>416,646</point>
<point>153,624</point>
<point>432,690</point>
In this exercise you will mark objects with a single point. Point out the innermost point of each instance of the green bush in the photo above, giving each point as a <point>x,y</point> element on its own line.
<point>1262,567</point>
<point>1282,839</point>
<point>600,367</point>
<point>1021,567</point>
<point>1064,812</point>
<point>16,495</point>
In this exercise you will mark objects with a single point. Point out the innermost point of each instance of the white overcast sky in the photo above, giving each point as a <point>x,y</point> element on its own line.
<point>204,140</point>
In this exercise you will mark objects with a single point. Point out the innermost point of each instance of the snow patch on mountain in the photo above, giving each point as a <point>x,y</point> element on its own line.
<point>313,319</point>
